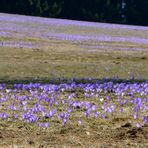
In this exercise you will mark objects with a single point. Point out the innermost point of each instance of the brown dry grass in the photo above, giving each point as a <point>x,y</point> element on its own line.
<point>94,134</point>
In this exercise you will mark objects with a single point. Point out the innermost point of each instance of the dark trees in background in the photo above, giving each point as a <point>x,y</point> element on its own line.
<point>136,12</point>
<point>112,11</point>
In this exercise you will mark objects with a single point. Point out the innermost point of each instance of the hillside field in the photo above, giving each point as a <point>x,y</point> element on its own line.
<point>66,83</point>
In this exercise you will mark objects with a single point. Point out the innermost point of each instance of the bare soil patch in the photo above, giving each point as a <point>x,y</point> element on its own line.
<point>75,136</point>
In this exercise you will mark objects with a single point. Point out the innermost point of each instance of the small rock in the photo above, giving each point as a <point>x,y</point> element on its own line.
<point>30,142</point>
<point>88,133</point>
<point>127,125</point>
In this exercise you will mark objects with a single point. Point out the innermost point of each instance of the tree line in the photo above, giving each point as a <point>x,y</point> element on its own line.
<point>111,11</point>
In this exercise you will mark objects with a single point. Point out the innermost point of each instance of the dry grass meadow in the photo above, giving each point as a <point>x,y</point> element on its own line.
<point>36,50</point>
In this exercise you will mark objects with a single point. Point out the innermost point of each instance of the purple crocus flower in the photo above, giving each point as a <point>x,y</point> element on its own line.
<point>135,116</point>
<point>44,125</point>
<point>12,107</point>
<point>93,108</point>
<point>137,101</point>
<point>145,119</point>
<point>29,117</point>
<point>79,122</point>
<point>97,114</point>
<point>87,113</point>
<point>51,113</point>
<point>69,110</point>
<point>103,116</point>
<point>146,100</point>
<point>121,110</point>
<point>146,107</point>
<point>63,115</point>
<point>4,116</point>
<point>138,125</point>
<point>15,116</point>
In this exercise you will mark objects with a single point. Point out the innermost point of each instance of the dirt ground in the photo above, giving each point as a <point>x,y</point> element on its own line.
<point>75,136</point>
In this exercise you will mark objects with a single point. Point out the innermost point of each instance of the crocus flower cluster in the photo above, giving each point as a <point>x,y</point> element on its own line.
<point>22,28</point>
<point>43,104</point>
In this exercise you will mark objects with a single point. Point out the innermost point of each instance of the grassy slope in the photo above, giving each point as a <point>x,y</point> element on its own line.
<point>51,58</point>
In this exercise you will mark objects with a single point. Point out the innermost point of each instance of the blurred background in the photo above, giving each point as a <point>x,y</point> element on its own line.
<point>133,12</point>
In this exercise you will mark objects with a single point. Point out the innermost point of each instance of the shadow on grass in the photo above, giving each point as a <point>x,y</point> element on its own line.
<point>69,80</point>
